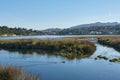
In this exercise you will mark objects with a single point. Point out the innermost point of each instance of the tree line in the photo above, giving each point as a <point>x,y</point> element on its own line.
<point>93,30</point>
<point>4,30</point>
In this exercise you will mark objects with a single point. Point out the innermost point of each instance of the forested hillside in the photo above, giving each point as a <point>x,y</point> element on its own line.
<point>6,31</point>
<point>93,30</point>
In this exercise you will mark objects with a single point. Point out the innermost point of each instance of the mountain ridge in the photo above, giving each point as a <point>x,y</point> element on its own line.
<point>95,24</point>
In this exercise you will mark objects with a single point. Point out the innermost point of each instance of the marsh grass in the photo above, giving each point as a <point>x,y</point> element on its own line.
<point>15,73</point>
<point>111,42</point>
<point>67,47</point>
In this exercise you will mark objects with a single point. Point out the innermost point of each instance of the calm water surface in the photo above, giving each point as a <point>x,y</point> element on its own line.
<point>46,36</point>
<point>49,67</point>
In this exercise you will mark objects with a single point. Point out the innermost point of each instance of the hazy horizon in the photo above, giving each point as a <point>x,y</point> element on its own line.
<point>44,14</point>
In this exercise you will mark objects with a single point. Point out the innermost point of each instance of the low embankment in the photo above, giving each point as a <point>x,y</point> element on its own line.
<point>67,47</point>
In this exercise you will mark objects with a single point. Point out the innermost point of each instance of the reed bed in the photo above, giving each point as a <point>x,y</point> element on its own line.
<point>15,73</point>
<point>68,47</point>
<point>111,42</point>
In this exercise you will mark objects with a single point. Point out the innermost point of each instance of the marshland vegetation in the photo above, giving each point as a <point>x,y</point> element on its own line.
<point>67,47</point>
<point>15,73</point>
<point>111,42</point>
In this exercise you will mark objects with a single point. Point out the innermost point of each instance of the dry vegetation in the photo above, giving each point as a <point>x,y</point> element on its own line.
<point>67,47</point>
<point>111,42</point>
<point>15,73</point>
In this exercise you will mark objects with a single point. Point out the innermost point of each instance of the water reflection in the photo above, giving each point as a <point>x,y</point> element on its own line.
<point>48,53</point>
<point>50,67</point>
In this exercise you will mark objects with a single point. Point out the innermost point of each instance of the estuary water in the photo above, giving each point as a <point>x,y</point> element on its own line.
<point>51,67</point>
<point>47,36</point>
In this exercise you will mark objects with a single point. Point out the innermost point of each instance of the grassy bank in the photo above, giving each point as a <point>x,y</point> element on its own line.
<point>111,42</point>
<point>15,73</point>
<point>67,47</point>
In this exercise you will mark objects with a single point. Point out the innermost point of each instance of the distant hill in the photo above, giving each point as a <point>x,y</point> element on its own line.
<point>95,24</point>
<point>98,28</point>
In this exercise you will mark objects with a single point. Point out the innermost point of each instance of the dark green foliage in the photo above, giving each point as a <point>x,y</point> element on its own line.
<point>106,58</point>
<point>4,30</point>
<point>101,57</point>
<point>115,60</point>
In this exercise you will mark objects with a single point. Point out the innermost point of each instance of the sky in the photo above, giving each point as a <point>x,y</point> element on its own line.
<point>43,14</point>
